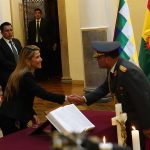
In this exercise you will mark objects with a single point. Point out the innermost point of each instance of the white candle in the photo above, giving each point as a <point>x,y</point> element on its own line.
<point>118,109</point>
<point>105,146</point>
<point>135,139</point>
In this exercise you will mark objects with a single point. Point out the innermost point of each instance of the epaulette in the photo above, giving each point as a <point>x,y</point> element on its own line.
<point>122,68</point>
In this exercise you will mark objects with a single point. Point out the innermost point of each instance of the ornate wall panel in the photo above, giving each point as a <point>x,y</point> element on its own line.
<point>29,6</point>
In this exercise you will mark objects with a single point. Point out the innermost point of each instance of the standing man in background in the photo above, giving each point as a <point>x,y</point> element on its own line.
<point>41,33</point>
<point>9,50</point>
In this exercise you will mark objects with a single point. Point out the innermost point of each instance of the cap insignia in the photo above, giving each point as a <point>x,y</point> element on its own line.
<point>122,68</point>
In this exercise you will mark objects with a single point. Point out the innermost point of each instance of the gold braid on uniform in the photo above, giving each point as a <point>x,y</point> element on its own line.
<point>123,131</point>
<point>114,99</point>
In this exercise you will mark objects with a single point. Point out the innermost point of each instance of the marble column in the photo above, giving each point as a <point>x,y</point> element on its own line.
<point>64,42</point>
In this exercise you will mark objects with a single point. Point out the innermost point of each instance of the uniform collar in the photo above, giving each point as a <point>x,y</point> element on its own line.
<point>113,68</point>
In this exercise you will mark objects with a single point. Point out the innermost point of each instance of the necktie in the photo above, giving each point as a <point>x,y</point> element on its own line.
<point>14,51</point>
<point>37,31</point>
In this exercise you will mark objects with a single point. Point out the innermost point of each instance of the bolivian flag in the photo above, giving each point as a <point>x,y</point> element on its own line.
<point>124,33</point>
<point>144,56</point>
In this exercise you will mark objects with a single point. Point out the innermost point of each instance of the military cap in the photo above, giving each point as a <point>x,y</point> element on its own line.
<point>103,47</point>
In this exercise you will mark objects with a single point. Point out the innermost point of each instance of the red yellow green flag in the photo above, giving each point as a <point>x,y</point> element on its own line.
<point>144,55</point>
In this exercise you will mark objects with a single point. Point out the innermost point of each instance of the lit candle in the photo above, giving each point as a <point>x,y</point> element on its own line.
<point>104,140</point>
<point>135,139</point>
<point>105,146</point>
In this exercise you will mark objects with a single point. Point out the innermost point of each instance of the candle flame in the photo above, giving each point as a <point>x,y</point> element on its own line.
<point>104,139</point>
<point>133,127</point>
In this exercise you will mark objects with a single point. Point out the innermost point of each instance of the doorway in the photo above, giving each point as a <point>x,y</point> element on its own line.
<point>50,12</point>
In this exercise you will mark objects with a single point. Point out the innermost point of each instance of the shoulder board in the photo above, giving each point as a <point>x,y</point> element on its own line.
<point>122,68</point>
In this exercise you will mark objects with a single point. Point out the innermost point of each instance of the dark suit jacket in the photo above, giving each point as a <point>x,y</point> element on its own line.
<point>7,60</point>
<point>46,33</point>
<point>131,88</point>
<point>20,107</point>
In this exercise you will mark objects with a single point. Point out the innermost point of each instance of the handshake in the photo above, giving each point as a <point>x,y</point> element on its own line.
<point>76,99</point>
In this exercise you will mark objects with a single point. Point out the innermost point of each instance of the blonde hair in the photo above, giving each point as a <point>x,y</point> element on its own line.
<point>22,67</point>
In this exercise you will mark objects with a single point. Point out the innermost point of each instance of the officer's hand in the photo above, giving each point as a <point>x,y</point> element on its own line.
<point>76,99</point>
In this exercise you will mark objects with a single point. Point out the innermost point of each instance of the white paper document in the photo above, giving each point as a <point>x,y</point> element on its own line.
<point>69,119</point>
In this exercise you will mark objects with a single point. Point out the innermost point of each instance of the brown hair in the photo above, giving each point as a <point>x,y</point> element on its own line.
<point>22,67</point>
<point>38,9</point>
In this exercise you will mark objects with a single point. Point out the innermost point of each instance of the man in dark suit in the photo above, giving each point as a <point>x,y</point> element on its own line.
<point>9,50</point>
<point>128,85</point>
<point>41,33</point>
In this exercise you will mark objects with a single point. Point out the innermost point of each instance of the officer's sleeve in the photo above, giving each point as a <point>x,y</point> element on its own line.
<point>98,93</point>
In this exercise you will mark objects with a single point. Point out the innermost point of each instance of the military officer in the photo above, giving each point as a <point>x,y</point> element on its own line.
<point>127,83</point>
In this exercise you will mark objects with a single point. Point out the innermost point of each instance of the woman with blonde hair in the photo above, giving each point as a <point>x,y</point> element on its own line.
<point>17,107</point>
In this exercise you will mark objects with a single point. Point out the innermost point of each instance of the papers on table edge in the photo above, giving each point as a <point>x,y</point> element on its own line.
<point>69,119</point>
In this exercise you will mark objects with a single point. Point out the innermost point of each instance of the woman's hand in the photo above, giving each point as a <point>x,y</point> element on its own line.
<point>76,99</point>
